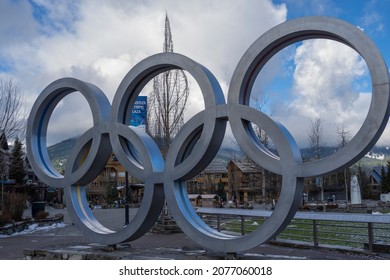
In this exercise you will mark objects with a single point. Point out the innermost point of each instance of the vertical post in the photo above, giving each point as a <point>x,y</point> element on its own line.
<point>242,225</point>
<point>2,190</point>
<point>2,195</point>
<point>346,189</point>
<point>126,198</point>
<point>315,234</point>
<point>163,216</point>
<point>2,185</point>
<point>370,237</point>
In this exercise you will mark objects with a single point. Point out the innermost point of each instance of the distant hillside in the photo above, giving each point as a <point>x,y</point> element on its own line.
<point>379,155</point>
<point>59,153</point>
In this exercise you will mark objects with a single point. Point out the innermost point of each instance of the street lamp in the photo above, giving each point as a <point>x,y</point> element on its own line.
<point>2,192</point>
<point>3,165</point>
<point>2,186</point>
<point>127,199</point>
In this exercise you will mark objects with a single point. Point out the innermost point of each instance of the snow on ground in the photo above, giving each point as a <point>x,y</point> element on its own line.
<point>34,228</point>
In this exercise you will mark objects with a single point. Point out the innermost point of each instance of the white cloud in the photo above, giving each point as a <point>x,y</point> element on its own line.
<point>328,83</point>
<point>55,16</point>
<point>99,41</point>
<point>16,23</point>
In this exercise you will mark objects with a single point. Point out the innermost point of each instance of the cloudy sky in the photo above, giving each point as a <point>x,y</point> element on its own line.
<point>100,41</point>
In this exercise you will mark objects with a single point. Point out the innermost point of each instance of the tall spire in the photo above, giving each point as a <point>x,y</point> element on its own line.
<point>168,43</point>
<point>168,100</point>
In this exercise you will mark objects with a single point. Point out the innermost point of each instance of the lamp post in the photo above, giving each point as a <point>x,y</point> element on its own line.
<point>2,187</point>
<point>127,199</point>
<point>2,192</point>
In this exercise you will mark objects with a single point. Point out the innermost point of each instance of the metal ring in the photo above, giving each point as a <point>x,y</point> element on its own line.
<point>37,129</point>
<point>198,141</point>
<point>309,28</point>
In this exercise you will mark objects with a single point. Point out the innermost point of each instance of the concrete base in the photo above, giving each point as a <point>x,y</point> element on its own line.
<point>119,252</point>
<point>125,251</point>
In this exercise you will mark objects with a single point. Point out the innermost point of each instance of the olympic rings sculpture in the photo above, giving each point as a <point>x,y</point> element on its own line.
<point>198,141</point>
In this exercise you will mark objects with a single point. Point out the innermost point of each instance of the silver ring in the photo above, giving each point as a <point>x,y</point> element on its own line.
<point>197,143</point>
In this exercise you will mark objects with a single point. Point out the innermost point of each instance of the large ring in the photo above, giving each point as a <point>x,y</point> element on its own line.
<point>198,141</point>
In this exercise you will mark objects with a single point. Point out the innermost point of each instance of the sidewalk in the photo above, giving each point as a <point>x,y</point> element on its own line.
<point>68,243</point>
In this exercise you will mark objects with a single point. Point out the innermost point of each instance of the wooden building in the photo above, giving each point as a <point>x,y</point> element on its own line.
<point>249,183</point>
<point>213,180</point>
<point>114,176</point>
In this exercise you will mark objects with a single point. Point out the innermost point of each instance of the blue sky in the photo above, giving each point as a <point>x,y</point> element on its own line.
<point>100,41</point>
<point>372,16</point>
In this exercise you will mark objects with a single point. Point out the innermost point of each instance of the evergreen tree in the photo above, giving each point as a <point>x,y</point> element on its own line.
<point>221,191</point>
<point>386,178</point>
<point>383,176</point>
<point>17,171</point>
<point>112,193</point>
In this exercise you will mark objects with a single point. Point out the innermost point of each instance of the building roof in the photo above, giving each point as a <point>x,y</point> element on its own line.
<point>203,196</point>
<point>376,173</point>
<point>208,196</point>
<point>216,166</point>
<point>247,165</point>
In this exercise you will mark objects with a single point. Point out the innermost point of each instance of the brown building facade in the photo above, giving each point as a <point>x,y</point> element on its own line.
<point>249,183</point>
<point>213,180</point>
<point>114,176</point>
<point>240,181</point>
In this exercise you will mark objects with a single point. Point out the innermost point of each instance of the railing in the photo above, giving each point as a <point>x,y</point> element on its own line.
<point>340,230</point>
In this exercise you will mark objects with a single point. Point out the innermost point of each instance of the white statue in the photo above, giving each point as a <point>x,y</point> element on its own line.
<point>355,191</point>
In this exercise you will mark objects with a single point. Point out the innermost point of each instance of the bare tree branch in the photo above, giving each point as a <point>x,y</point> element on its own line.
<point>260,103</point>
<point>316,138</point>
<point>12,114</point>
<point>343,135</point>
<point>343,140</point>
<point>168,101</point>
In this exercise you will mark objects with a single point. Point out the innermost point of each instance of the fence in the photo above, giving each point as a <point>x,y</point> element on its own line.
<point>340,230</point>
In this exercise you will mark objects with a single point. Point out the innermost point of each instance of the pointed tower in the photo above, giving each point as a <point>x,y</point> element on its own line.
<point>168,100</point>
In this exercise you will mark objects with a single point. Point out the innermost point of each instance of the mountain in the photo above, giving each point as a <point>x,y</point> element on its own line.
<point>59,153</point>
<point>378,155</point>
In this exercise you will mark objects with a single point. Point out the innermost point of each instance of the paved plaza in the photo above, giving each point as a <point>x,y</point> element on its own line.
<point>67,238</point>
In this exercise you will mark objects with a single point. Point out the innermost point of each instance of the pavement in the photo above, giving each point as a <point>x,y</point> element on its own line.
<point>67,241</point>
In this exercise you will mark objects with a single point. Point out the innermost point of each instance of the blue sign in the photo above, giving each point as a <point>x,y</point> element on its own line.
<point>139,111</point>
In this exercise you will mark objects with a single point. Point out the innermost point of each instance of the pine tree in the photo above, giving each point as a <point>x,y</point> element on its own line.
<point>363,182</point>
<point>111,193</point>
<point>17,171</point>
<point>386,178</point>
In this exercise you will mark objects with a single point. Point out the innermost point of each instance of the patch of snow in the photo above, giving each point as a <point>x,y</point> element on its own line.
<point>379,213</point>
<point>379,156</point>
<point>271,256</point>
<point>34,228</point>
